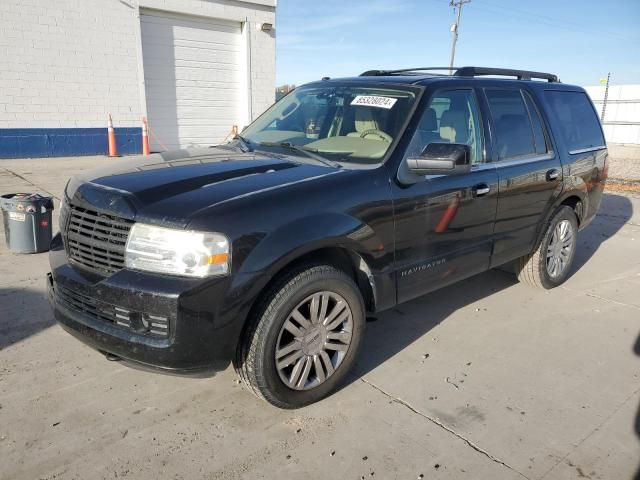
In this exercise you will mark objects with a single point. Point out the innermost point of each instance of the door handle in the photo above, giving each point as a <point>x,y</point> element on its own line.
<point>481,190</point>
<point>552,175</point>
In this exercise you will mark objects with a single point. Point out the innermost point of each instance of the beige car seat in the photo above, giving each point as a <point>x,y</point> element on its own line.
<point>454,126</point>
<point>428,128</point>
<point>364,120</point>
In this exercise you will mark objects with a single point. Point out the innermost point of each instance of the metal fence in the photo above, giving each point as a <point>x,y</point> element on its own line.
<point>621,112</point>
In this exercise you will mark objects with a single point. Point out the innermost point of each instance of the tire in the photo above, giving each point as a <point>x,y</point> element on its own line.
<point>267,336</point>
<point>536,268</point>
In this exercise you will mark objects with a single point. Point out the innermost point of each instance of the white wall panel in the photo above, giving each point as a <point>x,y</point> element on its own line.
<point>622,114</point>
<point>193,69</point>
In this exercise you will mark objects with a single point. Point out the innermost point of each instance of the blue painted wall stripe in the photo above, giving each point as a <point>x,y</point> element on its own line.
<point>63,142</point>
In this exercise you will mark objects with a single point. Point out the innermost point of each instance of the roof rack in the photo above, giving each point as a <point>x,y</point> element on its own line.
<point>508,72</point>
<point>465,72</point>
<point>410,71</point>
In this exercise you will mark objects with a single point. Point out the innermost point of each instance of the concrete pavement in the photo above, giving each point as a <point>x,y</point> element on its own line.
<point>487,379</point>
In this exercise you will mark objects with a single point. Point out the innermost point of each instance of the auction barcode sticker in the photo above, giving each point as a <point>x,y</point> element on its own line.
<point>373,101</point>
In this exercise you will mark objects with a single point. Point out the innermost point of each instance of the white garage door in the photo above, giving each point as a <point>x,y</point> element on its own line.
<point>193,70</point>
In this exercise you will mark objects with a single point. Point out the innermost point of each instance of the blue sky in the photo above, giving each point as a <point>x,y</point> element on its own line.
<point>580,40</point>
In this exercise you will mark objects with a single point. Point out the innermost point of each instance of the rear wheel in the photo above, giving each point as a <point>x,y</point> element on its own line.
<point>549,265</point>
<point>304,337</point>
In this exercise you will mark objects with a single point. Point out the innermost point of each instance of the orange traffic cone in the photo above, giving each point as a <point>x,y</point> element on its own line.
<point>111,135</point>
<point>145,137</point>
<point>233,133</point>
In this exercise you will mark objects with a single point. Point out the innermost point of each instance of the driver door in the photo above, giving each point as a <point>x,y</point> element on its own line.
<point>444,223</point>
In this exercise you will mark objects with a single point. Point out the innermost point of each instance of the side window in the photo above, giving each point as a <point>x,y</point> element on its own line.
<point>536,122</point>
<point>578,122</point>
<point>451,117</point>
<point>511,122</point>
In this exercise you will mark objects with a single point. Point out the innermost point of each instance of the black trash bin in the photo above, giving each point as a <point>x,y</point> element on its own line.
<point>27,221</point>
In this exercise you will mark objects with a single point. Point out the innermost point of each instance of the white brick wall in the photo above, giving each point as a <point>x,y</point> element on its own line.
<point>67,63</point>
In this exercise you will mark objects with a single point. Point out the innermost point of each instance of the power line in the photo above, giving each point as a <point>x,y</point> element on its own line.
<point>554,22</point>
<point>457,5</point>
<point>535,17</point>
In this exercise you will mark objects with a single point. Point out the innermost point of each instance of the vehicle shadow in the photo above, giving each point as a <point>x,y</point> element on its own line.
<point>615,211</point>
<point>399,327</point>
<point>23,312</point>
<point>396,329</point>
<point>636,350</point>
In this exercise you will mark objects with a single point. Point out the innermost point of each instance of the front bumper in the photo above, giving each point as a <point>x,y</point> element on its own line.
<point>203,321</point>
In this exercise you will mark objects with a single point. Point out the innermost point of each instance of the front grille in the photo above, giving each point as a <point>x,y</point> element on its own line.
<point>85,304</point>
<point>96,240</point>
<point>139,322</point>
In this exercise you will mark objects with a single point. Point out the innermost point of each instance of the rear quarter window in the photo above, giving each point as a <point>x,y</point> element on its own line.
<point>579,124</point>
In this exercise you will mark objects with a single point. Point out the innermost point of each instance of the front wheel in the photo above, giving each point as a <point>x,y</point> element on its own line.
<point>549,265</point>
<point>304,337</point>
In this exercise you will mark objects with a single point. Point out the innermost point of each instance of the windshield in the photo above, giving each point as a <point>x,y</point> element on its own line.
<point>343,123</point>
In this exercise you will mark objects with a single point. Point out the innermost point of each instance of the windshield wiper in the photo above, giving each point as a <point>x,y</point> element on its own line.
<point>309,152</point>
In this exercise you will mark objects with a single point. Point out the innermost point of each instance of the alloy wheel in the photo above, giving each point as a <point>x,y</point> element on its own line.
<point>314,340</point>
<point>560,248</point>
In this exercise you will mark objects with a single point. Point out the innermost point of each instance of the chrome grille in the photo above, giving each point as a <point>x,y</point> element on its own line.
<point>96,240</point>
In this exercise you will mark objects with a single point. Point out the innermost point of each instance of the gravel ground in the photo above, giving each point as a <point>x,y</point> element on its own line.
<point>625,162</point>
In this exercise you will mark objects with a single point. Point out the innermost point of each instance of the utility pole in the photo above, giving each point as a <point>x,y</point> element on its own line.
<point>457,5</point>
<point>606,96</point>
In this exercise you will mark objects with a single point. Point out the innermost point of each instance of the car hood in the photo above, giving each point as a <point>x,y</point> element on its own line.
<point>172,188</point>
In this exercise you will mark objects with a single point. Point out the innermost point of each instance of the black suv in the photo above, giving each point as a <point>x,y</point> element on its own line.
<point>346,197</point>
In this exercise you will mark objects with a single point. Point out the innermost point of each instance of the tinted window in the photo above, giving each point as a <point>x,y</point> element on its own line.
<point>514,133</point>
<point>578,122</point>
<point>451,117</point>
<point>536,122</point>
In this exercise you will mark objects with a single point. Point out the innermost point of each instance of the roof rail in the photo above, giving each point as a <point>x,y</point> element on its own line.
<point>508,72</point>
<point>466,72</point>
<point>413,71</point>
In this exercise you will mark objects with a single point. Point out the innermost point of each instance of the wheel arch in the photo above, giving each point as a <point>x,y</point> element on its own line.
<point>575,198</point>
<point>337,239</point>
<point>341,257</point>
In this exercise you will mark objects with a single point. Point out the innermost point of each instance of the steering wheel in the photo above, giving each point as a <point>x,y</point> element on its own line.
<point>377,133</point>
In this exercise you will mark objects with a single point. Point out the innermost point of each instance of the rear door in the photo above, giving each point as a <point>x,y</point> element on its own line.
<point>584,156</point>
<point>529,170</point>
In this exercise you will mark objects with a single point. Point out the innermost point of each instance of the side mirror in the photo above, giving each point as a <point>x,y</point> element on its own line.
<point>442,159</point>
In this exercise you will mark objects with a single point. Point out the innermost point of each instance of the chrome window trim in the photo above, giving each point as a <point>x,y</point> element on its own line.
<point>524,160</point>
<point>483,166</point>
<point>479,167</point>
<point>585,150</point>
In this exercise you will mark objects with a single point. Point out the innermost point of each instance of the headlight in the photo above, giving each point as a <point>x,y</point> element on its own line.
<point>177,252</point>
